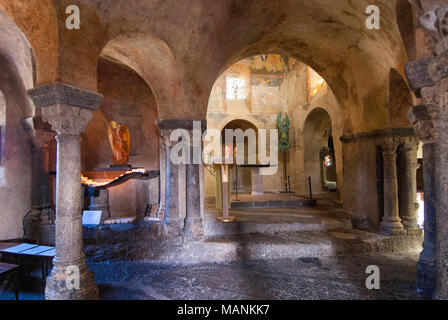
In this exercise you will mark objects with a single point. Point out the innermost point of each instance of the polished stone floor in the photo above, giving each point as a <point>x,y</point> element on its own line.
<point>303,278</point>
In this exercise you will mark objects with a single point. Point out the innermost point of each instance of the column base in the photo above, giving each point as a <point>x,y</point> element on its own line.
<point>257,193</point>
<point>59,284</point>
<point>410,224</point>
<point>414,231</point>
<point>391,231</point>
<point>193,228</point>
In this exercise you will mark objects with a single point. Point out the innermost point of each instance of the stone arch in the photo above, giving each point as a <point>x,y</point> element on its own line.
<point>400,100</point>
<point>35,21</point>
<point>248,118</point>
<point>16,48</point>
<point>316,133</point>
<point>152,59</point>
<point>244,180</point>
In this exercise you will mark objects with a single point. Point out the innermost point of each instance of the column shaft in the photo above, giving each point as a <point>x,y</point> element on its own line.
<point>391,224</point>
<point>193,220</point>
<point>171,220</point>
<point>408,185</point>
<point>426,267</point>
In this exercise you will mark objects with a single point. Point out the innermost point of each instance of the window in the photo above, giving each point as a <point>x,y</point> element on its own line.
<point>328,162</point>
<point>235,88</point>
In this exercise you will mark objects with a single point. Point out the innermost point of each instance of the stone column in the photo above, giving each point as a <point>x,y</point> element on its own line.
<point>171,220</point>
<point>408,184</point>
<point>391,224</point>
<point>421,119</point>
<point>68,109</point>
<point>193,219</point>
<point>192,131</point>
<point>432,73</point>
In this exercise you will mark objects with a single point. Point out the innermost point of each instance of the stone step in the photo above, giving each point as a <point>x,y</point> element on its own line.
<point>290,245</point>
<point>293,246</point>
<point>214,228</point>
<point>273,204</point>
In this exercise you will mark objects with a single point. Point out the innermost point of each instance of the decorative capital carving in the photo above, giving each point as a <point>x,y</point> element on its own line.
<point>166,127</point>
<point>410,143</point>
<point>67,120</point>
<point>435,22</point>
<point>423,124</point>
<point>438,70</point>
<point>389,144</point>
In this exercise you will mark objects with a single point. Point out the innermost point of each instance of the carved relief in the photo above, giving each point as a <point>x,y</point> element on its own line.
<point>389,144</point>
<point>67,120</point>
<point>435,22</point>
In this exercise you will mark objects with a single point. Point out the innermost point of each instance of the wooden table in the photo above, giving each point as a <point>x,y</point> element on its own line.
<point>10,272</point>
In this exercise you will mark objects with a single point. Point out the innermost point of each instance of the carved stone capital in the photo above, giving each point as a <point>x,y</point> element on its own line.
<point>438,70</point>
<point>67,120</point>
<point>435,23</point>
<point>167,126</point>
<point>67,108</point>
<point>389,145</point>
<point>423,124</point>
<point>410,143</point>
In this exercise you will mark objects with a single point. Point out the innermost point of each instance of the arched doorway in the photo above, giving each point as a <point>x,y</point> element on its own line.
<point>241,179</point>
<point>319,153</point>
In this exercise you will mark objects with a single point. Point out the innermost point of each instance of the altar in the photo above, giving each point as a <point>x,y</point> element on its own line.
<point>256,177</point>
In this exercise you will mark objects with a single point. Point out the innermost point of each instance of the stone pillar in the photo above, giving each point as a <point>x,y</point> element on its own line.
<point>390,225</point>
<point>193,219</point>
<point>68,109</point>
<point>171,219</point>
<point>426,268</point>
<point>421,119</point>
<point>191,131</point>
<point>431,74</point>
<point>408,184</point>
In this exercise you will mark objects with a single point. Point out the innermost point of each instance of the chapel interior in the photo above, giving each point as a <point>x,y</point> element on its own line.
<point>87,177</point>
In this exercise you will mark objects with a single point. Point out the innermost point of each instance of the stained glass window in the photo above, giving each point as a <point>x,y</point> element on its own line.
<point>328,162</point>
